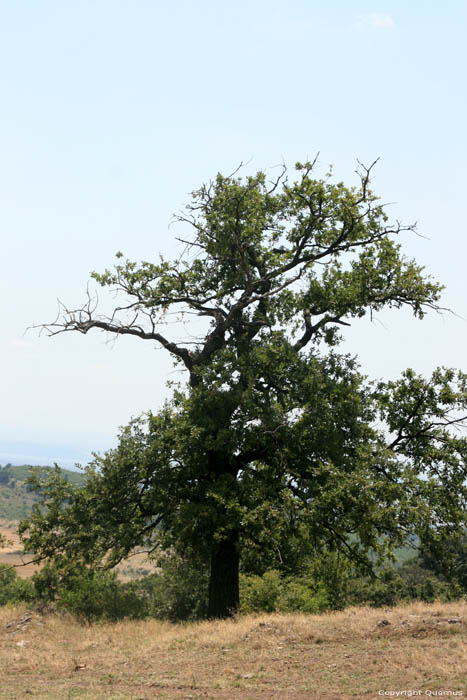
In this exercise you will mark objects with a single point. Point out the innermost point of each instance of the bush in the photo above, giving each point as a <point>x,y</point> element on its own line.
<point>422,584</point>
<point>14,589</point>
<point>332,575</point>
<point>273,593</point>
<point>90,595</point>
<point>178,591</point>
<point>396,585</point>
<point>261,593</point>
<point>298,596</point>
<point>100,596</point>
<point>449,564</point>
<point>329,582</point>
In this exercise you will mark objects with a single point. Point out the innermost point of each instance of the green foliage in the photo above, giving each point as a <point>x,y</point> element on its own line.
<point>178,591</point>
<point>273,593</point>
<point>14,589</point>
<point>324,583</point>
<point>449,564</point>
<point>397,585</point>
<point>278,447</point>
<point>99,596</point>
<point>261,593</point>
<point>90,595</point>
<point>329,583</point>
<point>23,472</point>
<point>298,596</point>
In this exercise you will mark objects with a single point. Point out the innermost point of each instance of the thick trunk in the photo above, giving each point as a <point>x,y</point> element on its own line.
<point>224,595</point>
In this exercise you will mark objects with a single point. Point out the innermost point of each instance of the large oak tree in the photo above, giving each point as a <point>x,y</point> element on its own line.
<point>276,439</point>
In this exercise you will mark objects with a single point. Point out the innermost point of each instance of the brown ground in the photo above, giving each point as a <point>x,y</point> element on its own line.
<point>129,569</point>
<point>350,654</point>
<point>11,553</point>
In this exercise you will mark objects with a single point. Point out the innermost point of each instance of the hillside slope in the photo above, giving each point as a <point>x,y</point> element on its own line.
<point>16,500</point>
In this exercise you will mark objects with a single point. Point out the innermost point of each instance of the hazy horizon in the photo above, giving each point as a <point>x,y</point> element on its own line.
<point>42,455</point>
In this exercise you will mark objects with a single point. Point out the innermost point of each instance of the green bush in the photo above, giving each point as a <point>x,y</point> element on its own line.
<point>273,593</point>
<point>261,593</point>
<point>329,582</point>
<point>401,584</point>
<point>100,596</point>
<point>46,583</point>
<point>422,584</point>
<point>332,575</point>
<point>297,596</point>
<point>385,590</point>
<point>14,589</point>
<point>178,591</point>
<point>90,595</point>
<point>449,564</point>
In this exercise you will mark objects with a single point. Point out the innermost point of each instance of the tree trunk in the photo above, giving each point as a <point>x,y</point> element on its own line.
<point>224,597</point>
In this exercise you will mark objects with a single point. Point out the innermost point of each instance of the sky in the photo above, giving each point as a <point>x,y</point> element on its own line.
<point>112,112</point>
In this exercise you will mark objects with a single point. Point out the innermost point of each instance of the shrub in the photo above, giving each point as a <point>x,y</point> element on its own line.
<point>261,593</point>
<point>297,596</point>
<point>14,589</point>
<point>98,595</point>
<point>178,591</point>
<point>329,582</point>
<point>271,593</point>
<point>90,595</point>
<point>395,585</point>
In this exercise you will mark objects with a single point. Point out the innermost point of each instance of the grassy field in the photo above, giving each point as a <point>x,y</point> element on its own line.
<point>136,565</point>
<point>11,554</point>
<point>357,653</point>
<point>416,650</point>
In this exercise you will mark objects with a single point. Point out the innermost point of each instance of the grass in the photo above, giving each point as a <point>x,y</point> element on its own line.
<point>349,654</point>
<point>11,553</point>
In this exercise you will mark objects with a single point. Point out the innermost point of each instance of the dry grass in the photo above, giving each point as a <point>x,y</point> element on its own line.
<point>287,657</point>
<point>11,554</point>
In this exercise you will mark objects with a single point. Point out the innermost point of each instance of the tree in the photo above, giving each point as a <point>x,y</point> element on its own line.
<point>276,438</point>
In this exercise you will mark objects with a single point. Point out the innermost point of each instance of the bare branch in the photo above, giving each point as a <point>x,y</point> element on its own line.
<point>80,320</point>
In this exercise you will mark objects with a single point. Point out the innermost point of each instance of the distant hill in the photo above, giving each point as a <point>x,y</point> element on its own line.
<point>16,500</point>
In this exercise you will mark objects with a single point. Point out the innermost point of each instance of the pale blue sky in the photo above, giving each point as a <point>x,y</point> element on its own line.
<point>112,111</point>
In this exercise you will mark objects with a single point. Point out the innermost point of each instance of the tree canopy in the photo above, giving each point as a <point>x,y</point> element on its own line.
<point>276,444</point>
